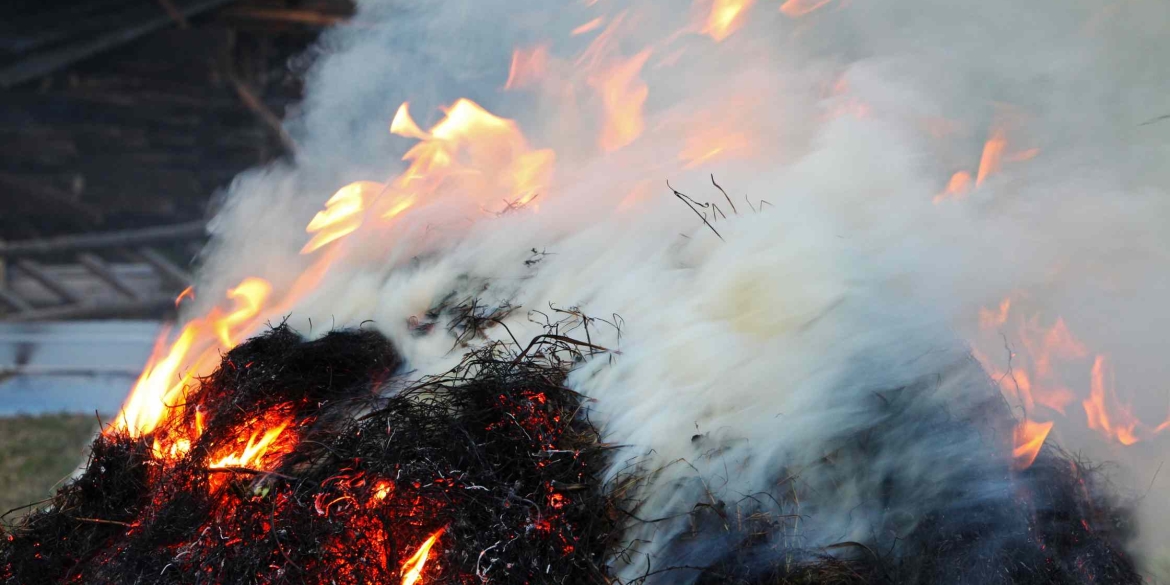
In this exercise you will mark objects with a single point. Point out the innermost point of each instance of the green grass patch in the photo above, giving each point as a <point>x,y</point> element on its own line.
<point>37,452</point>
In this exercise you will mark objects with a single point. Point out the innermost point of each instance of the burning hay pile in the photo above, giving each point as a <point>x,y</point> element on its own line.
<point>287,465</point>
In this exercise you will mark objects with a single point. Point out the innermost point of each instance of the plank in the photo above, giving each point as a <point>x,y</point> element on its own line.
<point>50,61</point>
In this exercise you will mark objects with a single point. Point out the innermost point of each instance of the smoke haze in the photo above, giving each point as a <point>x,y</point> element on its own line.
<point>846,269</point>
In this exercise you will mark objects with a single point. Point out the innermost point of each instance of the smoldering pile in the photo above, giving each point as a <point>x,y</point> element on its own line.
<point>495,473</point>
<point>492,467</point>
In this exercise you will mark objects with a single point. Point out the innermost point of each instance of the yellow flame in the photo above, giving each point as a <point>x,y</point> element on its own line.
<point>343,211</point>
<point>253,451</point>
<point>403,124</point>
<point>413,567</point>
<point>158,394</point>
<point>725,18</point>
<point>623,94</point>
<point>250,296</point>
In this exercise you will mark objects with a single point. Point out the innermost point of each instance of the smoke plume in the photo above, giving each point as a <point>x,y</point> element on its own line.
<point>890,168</point>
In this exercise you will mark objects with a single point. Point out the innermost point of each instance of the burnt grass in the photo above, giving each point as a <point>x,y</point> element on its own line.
<point>499,461</point>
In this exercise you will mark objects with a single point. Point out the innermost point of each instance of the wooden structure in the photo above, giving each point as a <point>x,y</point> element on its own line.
<point>97,275</point>
<point>120,119</point>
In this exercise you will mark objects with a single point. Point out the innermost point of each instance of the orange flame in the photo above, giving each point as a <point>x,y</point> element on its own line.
<point>623,93</point>
<point>158,394</point>
<point>256,447</point>
<point>989,320</point>
<point>469,151</point>
<point>188,293</point>
<point>484,153</point>
<point>992,157</point>
<point>957,187</point>
<point>725,18</point>
<point>413,567</point>
<point>249,296</point>
<point>588,26</point>
<point>1116,422</point>
<point>798,8</point>
<point>1028,437</point>
<point>343,212</point>
<point>529,66</point>
<point>1033,381</point>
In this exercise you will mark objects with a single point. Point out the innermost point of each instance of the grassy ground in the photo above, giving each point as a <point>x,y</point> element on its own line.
<point>36,452</point>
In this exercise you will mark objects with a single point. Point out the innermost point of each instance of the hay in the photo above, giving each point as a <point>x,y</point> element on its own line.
<point>497,455</point>
<point>499,461</point>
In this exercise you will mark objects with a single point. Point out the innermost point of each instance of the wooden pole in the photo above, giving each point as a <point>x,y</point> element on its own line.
<point>139,237</point>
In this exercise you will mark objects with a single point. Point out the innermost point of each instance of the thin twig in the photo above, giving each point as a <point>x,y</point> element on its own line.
<point>725,195</point>
<point>688,200</point>
<point>101,521</point>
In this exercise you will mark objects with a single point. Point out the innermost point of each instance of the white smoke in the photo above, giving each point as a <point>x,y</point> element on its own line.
<point>847,280</point>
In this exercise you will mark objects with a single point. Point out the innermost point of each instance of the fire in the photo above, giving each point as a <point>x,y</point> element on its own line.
<point>158,394</point>
<point>797,8</point>
<point>403,124</point>
<point>989,320</point>
<point>991,161</point>
<point>992,156</point>
<point>382,490</point>
<point>588,26</point>
<point>725,18</point>
<point>623,93</point>
<point>1102,409</point>
<point>188,293</point>
<point>479,152</point>
<point>252,452</point>
<point>1029,437</point>
<point>1033,380</point>
<point>528,66</point>
<point>342,214</point>
<point>413,567</point>
<point>957,187</point>
<point>249,296</point>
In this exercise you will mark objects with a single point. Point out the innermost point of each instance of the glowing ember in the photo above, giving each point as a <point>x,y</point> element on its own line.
<point>382,490</point>
<point>413,567</point>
